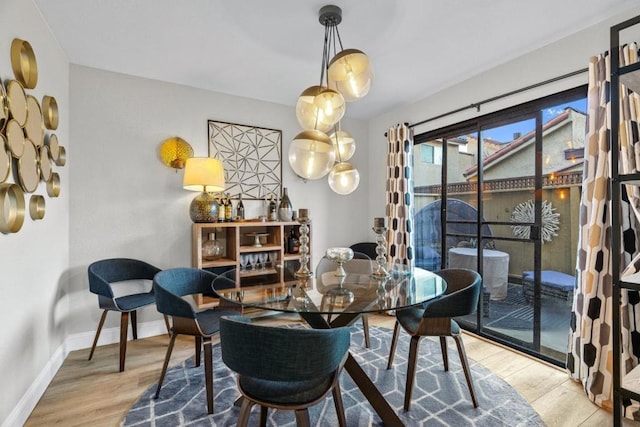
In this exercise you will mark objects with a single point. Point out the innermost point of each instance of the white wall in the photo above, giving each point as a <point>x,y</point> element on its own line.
<point>127,203</point>
<point>34,261</point>
<point>564,56</point>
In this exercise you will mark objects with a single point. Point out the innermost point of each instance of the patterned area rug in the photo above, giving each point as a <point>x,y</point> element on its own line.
<point>439,398</point>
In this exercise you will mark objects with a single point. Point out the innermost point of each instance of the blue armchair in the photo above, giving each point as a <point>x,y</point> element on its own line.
<point>103,278</point>
<point>170,287</point>
<point>276,368</point>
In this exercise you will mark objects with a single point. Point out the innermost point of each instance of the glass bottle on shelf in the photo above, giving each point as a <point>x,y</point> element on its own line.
<point>228,208</point>
<point>212,248</point>
<point>222,212</point>
<point>273,211</point>
<point>240,208</point>
<point>285,212</point>
<point>293,244</point>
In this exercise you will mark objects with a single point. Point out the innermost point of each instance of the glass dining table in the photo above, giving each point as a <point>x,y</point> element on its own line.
<point>333,300</point>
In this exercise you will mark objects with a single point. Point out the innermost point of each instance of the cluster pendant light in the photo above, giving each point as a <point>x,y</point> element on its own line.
<point>345,76</point>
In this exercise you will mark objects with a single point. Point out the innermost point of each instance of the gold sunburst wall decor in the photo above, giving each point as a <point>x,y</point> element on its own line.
<point>525,212</point>
<point>175,151</point>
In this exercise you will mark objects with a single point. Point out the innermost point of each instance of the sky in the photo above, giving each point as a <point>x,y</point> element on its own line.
<point>505,133</point>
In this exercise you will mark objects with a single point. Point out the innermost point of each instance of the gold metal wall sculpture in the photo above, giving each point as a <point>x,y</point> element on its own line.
<point>28,152</point>
<point>175,151</point>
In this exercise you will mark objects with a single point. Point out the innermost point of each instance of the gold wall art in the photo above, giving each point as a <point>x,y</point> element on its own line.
<point>28,151</point>
<point>174,152</point>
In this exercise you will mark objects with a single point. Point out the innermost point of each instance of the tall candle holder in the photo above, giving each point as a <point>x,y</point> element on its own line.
<point>304,221</point>
<point>380,229</point>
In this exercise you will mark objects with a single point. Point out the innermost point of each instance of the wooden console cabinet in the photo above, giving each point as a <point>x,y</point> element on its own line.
<point>239,238</point>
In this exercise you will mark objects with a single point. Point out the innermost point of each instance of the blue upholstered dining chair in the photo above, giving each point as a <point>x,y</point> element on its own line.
<point>171,286</point>
<point>284,368</point>
<point>360,264</point>
<point>112,280</point>
<point>435,320</point>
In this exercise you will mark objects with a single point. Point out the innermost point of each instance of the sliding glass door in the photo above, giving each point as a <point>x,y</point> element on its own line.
<point>500,195</point>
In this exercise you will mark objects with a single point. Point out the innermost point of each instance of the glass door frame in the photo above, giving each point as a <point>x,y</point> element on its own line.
<point>526,111</point>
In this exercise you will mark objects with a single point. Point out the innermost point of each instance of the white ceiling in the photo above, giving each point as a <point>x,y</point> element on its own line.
<point>271,50</point>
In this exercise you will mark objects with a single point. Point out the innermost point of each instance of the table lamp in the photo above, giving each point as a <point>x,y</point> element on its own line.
<point>204,174</point>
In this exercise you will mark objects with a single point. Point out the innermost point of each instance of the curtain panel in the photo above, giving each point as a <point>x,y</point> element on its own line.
<point>399,195</point>
<point>590,349</point>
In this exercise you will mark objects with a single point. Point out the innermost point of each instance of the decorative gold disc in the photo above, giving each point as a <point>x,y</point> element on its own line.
<point>53,185</point>
<point>28,173</point>
<point>34,127</point>
<point>45,163</point>
<point>62,156</point>
<point>23,62</point>
<point>15,138</point>
<point>50,112</point>
<point>12,216</point>
<point>4,107</point>
<point>17,101</point>
<point>5,160</point>
<point>36,207</point>
<point>54,147</point>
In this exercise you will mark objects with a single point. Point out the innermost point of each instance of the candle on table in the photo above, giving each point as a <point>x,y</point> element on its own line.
<point>379,222</point>
<point>303,213</point>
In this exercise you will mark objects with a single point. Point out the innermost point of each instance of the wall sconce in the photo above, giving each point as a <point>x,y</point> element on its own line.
<point>175,151</point>
<point>204,174</point>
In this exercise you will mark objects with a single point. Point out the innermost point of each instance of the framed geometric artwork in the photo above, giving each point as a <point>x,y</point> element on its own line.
<point>251,156</point>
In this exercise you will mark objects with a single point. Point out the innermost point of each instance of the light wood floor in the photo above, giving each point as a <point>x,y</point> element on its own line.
<point>95,393</point>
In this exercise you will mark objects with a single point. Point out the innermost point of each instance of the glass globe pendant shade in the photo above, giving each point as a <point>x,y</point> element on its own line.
<point>311,154</point>
<point>351,74</point>
<point>344,178</point>
<point>319,108</point>
<point>344,145</point>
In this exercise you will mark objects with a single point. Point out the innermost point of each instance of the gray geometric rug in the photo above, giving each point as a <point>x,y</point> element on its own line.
<point>439,398</point>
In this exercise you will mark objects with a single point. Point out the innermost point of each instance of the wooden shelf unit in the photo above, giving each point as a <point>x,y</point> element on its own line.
<point>236,239</point>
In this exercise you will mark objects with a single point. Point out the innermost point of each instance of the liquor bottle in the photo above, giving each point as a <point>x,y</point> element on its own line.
<point>285,212</point>
<point>273,210</point>
<point>293,244</point>
<point>240,208</point>
<point>228,208</point>
<point>222,211</point>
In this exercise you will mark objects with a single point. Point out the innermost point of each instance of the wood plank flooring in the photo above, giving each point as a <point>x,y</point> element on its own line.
<point>95,393</point>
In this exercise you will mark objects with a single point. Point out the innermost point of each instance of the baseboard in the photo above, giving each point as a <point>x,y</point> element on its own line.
<point>29,400</point>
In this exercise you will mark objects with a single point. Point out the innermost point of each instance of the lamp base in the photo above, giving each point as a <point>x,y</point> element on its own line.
<point>204,208</point>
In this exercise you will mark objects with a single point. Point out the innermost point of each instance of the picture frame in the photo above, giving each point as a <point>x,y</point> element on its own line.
<point>251,157</point>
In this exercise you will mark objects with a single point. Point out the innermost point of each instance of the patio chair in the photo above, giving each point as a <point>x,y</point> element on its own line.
<point>435,320</point>
<point>276,368</point>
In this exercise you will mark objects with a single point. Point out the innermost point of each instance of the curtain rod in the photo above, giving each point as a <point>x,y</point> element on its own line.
<point>477,105</point>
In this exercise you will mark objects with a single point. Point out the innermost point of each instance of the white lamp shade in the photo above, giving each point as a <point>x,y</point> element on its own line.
<point>203,174</point>
<point>344,145</point>
<point>311,154</point>
<point>319,108</point>
<point>351,73</point>
<point>344,178</point>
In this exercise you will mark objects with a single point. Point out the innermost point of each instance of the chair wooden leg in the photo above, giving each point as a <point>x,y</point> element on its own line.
<point>337,400</point>
<point>465,367</point>
<point>445,355</point>
<point>134,324</point>
<point>245,411</point>
<point>394,342</point>
<point>411,370</point>
<point>166,323</point>
<point>124,324</point>
<point>365,329</point>
<point>302,418</point>
<point>208,372</point>
<point>95,339</point>
<point>197,357</point>
<point>167,357</point>
<point>264,411</point>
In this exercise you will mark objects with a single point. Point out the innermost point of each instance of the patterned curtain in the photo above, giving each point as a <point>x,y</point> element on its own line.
<point>399,206</point>
<point>590,352</point>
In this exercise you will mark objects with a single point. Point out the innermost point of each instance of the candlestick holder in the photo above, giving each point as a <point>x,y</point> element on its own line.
<point>381,250</point>
<point>304,271</point>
